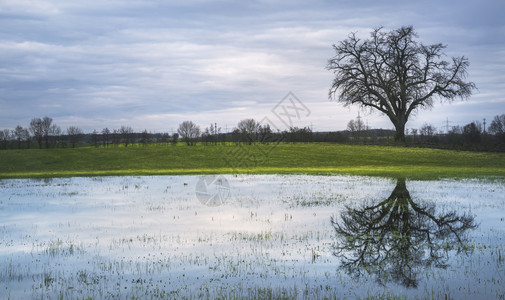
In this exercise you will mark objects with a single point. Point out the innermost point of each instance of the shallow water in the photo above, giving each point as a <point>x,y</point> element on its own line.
<point>251,236</point>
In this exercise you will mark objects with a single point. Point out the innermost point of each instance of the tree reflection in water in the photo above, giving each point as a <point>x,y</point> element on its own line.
<point>397,237</point>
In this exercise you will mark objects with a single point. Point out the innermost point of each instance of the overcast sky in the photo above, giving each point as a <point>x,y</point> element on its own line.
<point>153,64</point>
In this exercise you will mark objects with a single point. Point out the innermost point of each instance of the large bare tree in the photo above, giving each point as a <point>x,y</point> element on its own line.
<point>395,74</point>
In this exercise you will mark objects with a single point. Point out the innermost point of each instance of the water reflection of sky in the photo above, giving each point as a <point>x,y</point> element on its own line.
<point>273,231</point>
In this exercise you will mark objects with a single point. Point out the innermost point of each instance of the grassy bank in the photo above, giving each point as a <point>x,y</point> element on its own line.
<point>413,163</point>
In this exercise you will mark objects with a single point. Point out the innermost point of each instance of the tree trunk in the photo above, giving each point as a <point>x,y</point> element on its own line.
<point>400,131</point>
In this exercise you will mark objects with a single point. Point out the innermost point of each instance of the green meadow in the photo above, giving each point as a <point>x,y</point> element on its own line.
<point>312,158</point>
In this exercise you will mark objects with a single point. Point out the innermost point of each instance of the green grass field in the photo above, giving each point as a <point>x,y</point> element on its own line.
<point>314,158</point>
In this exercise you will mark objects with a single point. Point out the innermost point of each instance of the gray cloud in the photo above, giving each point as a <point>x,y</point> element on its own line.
<point>152,64</point>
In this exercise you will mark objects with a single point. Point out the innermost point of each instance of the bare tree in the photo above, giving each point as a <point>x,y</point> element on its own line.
<point>266,135</point>
<point>249,130</point>
<point>498,125</point>
<point>427,133</point>
<point>414,134</point>
<point>36,129</point>
<point>471,133</point>
<point>74,135</point>
<point>249,126</point>
<point>126,133</point>
<point>21,135</point>
<point>46,129</point>
<point>356,127</point>
<point>189,131</point>
<point>479,126</point>
<point>106,134</point>
<point>5,136</point>
<point>55,133</point>
<point>393,73</point>
<point>427,130</point>
<point>18,135</point>
<point>296,134</point>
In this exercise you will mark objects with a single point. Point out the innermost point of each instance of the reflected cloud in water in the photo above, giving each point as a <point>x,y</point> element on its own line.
<point>396,238</point>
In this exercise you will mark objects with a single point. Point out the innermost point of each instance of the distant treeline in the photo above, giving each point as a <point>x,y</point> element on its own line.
<point>43,133</point>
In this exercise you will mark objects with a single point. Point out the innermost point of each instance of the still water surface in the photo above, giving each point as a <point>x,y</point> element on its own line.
<point>251,236</point>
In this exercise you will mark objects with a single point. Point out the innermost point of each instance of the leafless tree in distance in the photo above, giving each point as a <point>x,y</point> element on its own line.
<point>74,135</point>
<point>189,131</point>
<point>248,129</point>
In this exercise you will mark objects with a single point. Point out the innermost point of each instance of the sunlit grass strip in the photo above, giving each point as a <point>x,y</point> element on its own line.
<point>413,173</point>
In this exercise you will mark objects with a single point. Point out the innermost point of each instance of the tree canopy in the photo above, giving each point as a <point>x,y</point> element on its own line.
<point>393,73</point>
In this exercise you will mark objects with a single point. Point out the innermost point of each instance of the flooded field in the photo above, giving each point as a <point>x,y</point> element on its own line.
<point>251,236</point>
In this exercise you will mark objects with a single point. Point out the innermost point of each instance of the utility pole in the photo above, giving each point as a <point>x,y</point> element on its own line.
<point>484,125</point>
<point>359,122</point>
